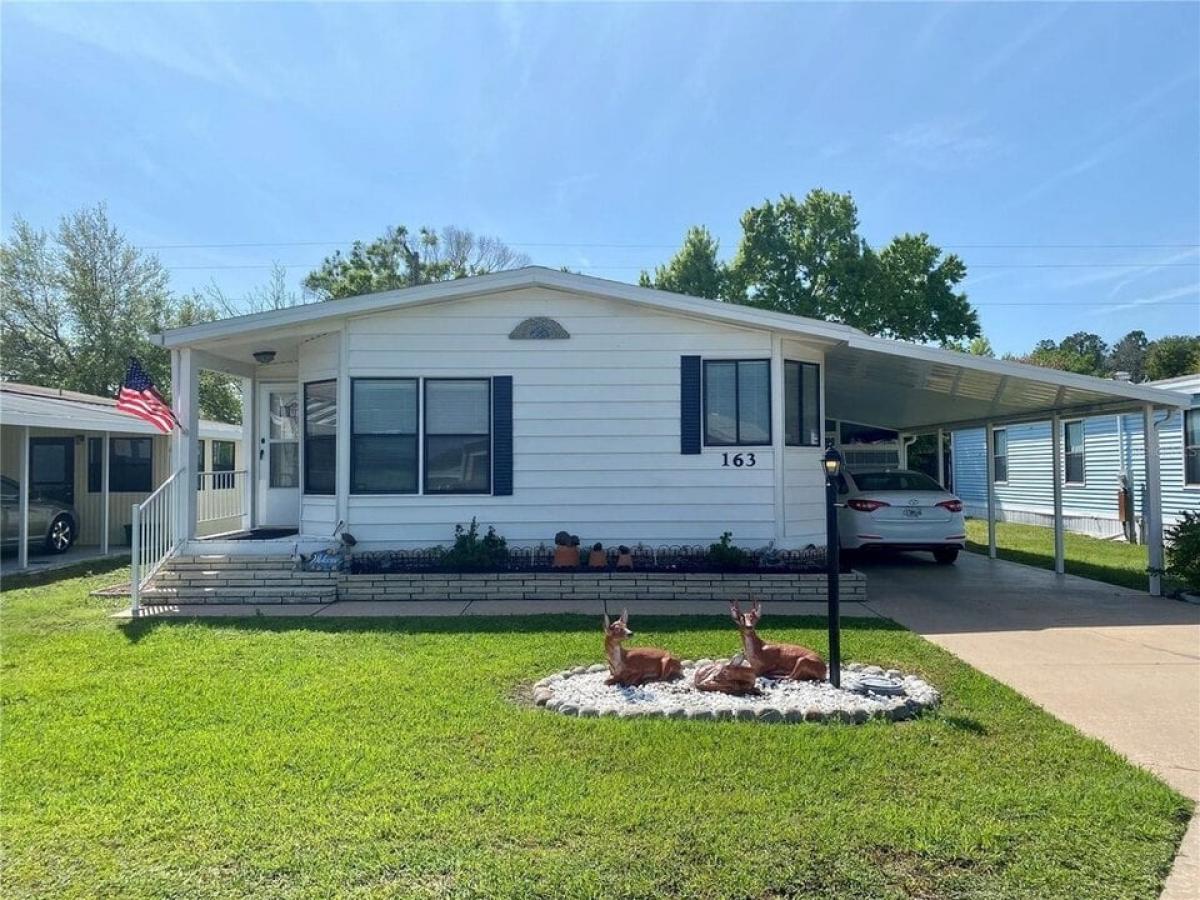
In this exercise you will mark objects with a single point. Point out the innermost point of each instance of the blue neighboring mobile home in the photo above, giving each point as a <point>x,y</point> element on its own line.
<point>1100,453</point>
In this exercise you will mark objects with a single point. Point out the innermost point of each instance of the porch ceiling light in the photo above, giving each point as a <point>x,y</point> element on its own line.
<point>832,461</point>
<point>262,357</point>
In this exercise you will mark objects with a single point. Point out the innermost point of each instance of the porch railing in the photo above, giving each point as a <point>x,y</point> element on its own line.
<point>220,495</point>
<point>154,535</point>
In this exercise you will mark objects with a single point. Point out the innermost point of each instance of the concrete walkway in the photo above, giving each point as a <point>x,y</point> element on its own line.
<point>1119,665</point>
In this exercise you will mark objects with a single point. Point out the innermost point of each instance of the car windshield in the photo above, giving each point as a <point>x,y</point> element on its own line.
<point>895,481</point>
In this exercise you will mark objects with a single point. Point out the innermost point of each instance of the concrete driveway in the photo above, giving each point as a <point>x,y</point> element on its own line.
<point>1039,632</point>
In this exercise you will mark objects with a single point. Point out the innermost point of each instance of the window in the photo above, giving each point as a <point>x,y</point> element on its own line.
<point>95,464</point>
<point>737,402</point>
<point>223,458</point>
<point>1073,451</point>
<point>131,465</point>
<point>320,437</point>
<point>458,439</point>
<point>383,441</point>
<point>200,464</point>
<point>1191,447</point>
<point>802,404</point>
<point>895,481</point>
<point>999,455</point>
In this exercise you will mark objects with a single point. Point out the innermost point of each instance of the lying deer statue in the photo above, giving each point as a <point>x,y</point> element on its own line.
<point>639,664</point>
<point>775,660</point>
<point>733,677</point>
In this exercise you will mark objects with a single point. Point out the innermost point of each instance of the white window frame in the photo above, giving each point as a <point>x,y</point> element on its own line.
<point>992,452</point>
<point>769,443</point>
<point>1065,424</point>
<point>1187,485</point>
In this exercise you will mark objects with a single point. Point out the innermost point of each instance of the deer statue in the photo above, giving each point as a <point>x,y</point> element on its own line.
<point>639,664</point>
<point>734,677</point>
<point>775,660</point>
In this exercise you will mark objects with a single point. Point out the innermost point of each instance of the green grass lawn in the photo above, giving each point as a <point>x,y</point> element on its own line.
<point>396,758</point>
<point>1114,562</point>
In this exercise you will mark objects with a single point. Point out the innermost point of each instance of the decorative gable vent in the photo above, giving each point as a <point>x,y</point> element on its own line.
<point>539,328</point>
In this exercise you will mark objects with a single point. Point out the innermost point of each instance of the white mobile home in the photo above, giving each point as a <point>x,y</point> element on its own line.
<point>538,400</point>
<point>1102,456</point>
<point>54,441</point>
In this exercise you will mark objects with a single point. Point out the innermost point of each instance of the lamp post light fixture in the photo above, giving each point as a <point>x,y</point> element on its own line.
<point>831,462</point>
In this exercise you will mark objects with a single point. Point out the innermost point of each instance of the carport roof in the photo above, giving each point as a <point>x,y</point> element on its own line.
<point>42,407</point>
<point>892,384</point>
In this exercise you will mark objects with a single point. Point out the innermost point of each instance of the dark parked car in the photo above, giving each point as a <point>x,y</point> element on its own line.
<point>51,523</point>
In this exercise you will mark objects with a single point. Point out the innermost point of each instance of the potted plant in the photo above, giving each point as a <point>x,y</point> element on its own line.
<point>566,551</point>
<point>597,559</point>
<point>624,557</point>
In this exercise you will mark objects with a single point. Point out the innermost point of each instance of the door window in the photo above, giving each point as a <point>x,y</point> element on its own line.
<point>283,439</point>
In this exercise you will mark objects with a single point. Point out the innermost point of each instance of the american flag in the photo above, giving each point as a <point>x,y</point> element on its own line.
<point>140,398</point>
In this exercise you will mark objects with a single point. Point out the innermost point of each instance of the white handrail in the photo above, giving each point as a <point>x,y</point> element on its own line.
<point>153,538</point>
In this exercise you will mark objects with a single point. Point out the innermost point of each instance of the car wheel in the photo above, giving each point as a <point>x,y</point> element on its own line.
<point>61,535</point>
<point>945,556</point>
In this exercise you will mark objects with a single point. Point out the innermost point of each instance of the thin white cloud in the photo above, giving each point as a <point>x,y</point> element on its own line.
<point>1010,50</point>
<point>941,144</point>
<point>1187,290</point>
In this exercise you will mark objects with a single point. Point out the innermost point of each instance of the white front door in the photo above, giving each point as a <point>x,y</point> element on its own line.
<point>279,456</point>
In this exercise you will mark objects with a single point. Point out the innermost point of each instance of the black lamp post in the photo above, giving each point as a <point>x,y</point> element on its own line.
<point>832,463</point>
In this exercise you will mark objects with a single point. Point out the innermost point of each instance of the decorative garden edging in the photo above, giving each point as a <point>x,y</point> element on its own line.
<point>581,691</point>
<point>583,585</point>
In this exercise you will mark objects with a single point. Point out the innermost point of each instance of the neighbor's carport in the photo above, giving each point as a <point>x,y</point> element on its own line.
<point>923,390</point>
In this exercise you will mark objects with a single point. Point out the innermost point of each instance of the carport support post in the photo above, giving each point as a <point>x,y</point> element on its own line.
<point>1154,524</point>
<point>23,526</point>
<point>1056,464</point>
<point>991,490</point>
<point>941,458</point>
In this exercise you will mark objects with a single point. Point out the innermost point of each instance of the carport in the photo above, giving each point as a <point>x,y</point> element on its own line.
<point>916,390</point>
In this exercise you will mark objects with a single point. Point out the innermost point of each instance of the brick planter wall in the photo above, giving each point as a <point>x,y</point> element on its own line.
<point>595,586</point>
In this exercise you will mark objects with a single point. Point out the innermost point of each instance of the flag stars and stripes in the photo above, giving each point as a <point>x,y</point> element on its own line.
<point>140,398</point>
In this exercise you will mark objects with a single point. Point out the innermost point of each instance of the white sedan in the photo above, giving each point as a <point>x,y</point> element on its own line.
<point>899,509</point>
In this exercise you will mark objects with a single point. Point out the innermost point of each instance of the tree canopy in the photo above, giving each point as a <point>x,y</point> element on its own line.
<point>695,269</point>
<point>400,259</point>
<point>79,302</point>
<point>1144,360</point>
<point>1170,357</point>
<point>806,257</point>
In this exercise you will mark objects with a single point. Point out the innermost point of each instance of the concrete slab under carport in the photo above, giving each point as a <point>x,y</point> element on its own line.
<point>1119,665</point>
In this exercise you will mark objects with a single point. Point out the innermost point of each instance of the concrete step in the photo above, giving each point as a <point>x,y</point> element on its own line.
<point>235,595</point>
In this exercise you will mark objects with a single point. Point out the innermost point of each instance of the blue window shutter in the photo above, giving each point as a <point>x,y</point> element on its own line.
<point>689,404</point>
<point>502,436</point>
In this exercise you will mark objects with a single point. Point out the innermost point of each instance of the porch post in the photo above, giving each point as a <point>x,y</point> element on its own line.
<point>23,527</point>
<point>1056,468</point>
<point>778,438</point>
<point>341,470</point>
<point>903,449</point>
<point>1153,507</point>
<point>941,458</point>
<point>249,453</point>
<point>104,520</point>
<point>991,490</point>
<point>185,389</point>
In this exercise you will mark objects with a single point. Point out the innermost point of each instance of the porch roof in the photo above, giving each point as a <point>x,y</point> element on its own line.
<point>893,384</point>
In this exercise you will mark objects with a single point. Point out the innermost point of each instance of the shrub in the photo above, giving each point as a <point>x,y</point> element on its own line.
<point>471,553</point>
<point>1183,551</point>
<point>725,556</point>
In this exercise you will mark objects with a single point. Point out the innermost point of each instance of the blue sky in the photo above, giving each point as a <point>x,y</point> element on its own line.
<point>1056,148</point>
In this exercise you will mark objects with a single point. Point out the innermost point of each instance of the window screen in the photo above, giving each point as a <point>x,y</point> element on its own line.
<point>458,439</point>
<point>383,442</point>
<point>1191,447</point>
<point>1073,452</point>
<point>320,437</point>
<point>999,455</point>
<point>737,402</point>
<point>802,404</point>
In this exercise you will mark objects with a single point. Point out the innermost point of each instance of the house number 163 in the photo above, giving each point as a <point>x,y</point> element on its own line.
<point>738,460</point>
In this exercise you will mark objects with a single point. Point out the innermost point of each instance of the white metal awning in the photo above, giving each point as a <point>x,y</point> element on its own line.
<point>912,388</point>
<point>39,407</point>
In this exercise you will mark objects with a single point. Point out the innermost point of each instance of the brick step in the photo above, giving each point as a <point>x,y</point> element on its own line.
<point>245,579</point>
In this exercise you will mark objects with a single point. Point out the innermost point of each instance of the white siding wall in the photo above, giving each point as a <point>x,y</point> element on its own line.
<point>595,422</point>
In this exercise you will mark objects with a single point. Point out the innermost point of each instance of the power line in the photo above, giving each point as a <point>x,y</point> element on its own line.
<point>627,246</point>
<point>1130,265</point>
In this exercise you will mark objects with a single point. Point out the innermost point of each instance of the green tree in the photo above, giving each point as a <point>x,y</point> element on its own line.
<point>77,304</point>
<point>694,270</point>
<point>1170,357</point>
<point>1129,355</point>
<point>399,259</point>
<point>807,258</point>
<point>1083,353</point>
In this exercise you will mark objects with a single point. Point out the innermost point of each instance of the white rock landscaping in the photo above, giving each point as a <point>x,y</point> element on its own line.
<point>581,691</point>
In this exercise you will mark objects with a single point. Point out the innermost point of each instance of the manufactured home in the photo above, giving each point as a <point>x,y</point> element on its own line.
<point>1103,469</point>
<point>537,401</point>
<point>87,464</point>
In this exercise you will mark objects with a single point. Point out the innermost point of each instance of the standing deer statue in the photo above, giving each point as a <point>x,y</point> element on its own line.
<point>775,660</point>
<point>638,664</point>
